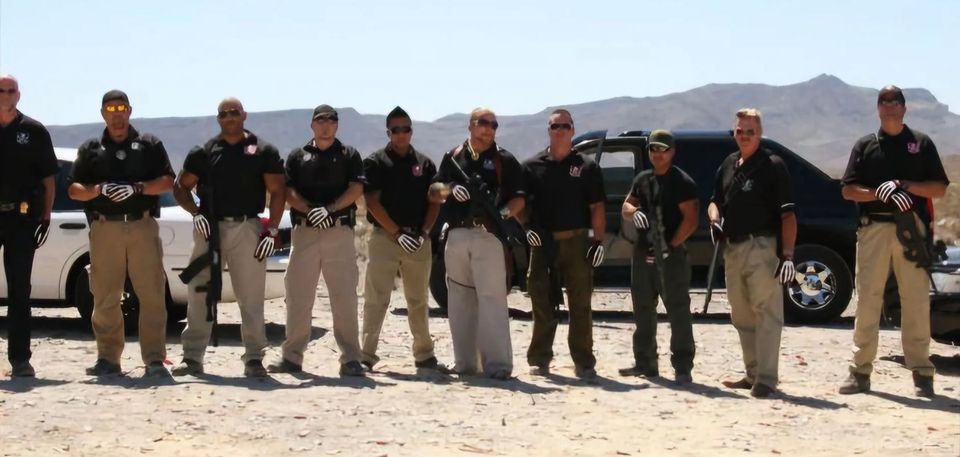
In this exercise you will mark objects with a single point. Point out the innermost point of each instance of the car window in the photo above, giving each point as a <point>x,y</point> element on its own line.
<point>700,158</point>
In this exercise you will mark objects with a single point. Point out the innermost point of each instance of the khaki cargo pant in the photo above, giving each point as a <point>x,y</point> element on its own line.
<point>118,249</point>
<point>576,274</point>
<point>332,253</point>
<point>477,301</point>
<point>756,305</point>
<point>877,249</point>
<point>386,259</point>
<point>238,241</point>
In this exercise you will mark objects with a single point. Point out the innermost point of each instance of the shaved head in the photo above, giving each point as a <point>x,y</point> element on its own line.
<point>9,78</point>
<point>9,97</point>
<point>230,103</point>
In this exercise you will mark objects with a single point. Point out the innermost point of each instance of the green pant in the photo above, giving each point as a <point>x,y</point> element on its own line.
<point>674,290</point>
<point>576,274</point>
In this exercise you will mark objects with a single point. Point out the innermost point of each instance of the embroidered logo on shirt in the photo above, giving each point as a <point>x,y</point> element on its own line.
<point>488,165</point>
<point>748,185</point>
<point>307,156</point>
<point>135,146</point>
<point>913,147</point>
<point>417,171</point>
<point>121,154</point>
<point>23,137</point>
<point>574,171</point>
<point>251,149</point>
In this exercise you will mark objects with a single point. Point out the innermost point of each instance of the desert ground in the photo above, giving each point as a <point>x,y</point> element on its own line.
<point>399,411</point>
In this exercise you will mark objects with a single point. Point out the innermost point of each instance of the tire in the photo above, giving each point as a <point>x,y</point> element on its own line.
<point>827,288</point>
<point>82,298</point>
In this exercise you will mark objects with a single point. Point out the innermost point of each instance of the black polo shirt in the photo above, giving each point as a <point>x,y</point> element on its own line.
<point>26,153</point>
<point>909,156</point>
<point>237,174</point>
<point>506,188</point>
<point>321,176</point>
<point>675,187</point>
<point>753,196</point>
<point>560,193</point>
<point>138,158</point>
<point>402,182</point>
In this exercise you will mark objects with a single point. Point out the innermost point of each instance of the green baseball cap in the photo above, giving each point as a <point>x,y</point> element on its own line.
<point>661,138</point>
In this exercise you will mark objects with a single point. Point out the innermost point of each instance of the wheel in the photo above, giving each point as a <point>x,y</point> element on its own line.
<point>82,298</point>
<point>824,290</point>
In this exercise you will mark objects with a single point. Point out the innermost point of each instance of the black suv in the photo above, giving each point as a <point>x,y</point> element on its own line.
<point>826,239</point>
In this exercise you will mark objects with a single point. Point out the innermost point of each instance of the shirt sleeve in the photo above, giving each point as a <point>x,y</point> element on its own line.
<point>292,168</point>
<point>82,171</point>
<point>272,163</point>
<point>933,166</point>
<point>45,164</point>
<point>443,172</point>
<point>851,176</point>
<point>718,195</point>
<point>355,167</point>
<point>784,188</point>
<point>371,169</point>
<point>687,190</point>
<point>162,160</point>
<point>595,190</point>
<point>195,162</point>
<point>429,169</point>
<point>512,182</point>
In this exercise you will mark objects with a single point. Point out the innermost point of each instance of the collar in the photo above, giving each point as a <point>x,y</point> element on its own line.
<point>489,151</point>
<point>336,146</point>
<point>411,153</point>
<point>249,138</point>
<point>132,135</point>
<point>884,135</point>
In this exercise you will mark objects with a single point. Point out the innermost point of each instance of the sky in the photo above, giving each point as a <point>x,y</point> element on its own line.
<point>180,58</point>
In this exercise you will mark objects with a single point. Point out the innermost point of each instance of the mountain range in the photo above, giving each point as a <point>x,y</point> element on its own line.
<point>820,119</point>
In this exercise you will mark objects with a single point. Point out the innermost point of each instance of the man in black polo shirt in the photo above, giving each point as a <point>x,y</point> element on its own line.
<point>894,171</point>
<point>663,206</point>
<point>119,177</point>
<point>398,177</point>
<point>752,209</point>
<point>474,257</point>
<point>324,179</point>
<point>236,169</point>
<point>26,200</point>
<point>565,198</point>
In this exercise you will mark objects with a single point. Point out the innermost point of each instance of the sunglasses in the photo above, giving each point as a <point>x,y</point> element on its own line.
<point>400,129</point>
<point>485,123</point>
<point>235,112</point>
<point>741,132</point>
<point>116,108</point>
<point>561,126</point>
<point>8,91</point>
<point>890,102</point>
<point>658,148</point>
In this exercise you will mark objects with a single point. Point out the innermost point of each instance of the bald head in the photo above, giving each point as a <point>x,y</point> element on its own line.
<point>7,78</point>
<point>9,96</point>
<point>230,103</point>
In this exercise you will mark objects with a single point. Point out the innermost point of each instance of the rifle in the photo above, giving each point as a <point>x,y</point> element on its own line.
<point>655,238</point>
<point>509,232</point>
<point>211,259</point>
<point>710,273</point>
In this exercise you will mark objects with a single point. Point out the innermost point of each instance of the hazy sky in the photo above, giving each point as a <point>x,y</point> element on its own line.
<point>179,58</point>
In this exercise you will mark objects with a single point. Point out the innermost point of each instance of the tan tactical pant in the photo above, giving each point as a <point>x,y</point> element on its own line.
<point>878,249</point>
<point>238,241</point>
<point>386,259</point>
<point>756,305</point>
<point>477,301</point>
<point>119,248</point>
<point>331,252</point>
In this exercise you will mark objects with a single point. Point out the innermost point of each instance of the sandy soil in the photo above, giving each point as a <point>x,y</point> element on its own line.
<point>398,411</point>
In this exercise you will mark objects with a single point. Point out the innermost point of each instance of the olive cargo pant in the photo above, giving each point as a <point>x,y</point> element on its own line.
<point>477,301</point>
<point>386,259</point>
<point>332,253</point>
<point>576,273</point>
<point>877,250</point>
<point>119,248</point>
<point>645,289</point>
<point>756,305</point>
<point>238,241</point>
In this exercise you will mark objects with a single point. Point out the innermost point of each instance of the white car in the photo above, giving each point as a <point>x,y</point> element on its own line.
<point>59,266</point>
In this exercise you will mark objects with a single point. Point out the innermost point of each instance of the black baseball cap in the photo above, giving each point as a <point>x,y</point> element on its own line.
<point>325,112</point>
<point>891,90</point>
<point>115,95</point>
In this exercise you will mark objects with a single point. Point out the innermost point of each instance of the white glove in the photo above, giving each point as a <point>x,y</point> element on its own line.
<point>118,192</point>
<point>533,239</point>
<point>716,231</point>
<point>201,225</point>
<point>460,193</point>
<point>317,216</point>
<point>265,247</point>
<point>902,200</point>
<point>640,220</point>
<point>787,272</point>
<point>409,243</point>
<point>595,254</point>
<point>40,235</point>
<point>885,190</point>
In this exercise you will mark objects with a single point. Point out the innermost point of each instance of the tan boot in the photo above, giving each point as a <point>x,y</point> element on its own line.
<point>855,383</point>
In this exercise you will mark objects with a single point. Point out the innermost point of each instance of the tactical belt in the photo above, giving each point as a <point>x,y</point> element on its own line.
<point>237,218</point>
<point>474,222</point>
<point>344,220</point>
<point>567,234</point>
<point>749,236</point>
<point>128,217</point>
